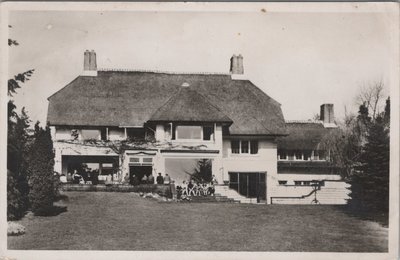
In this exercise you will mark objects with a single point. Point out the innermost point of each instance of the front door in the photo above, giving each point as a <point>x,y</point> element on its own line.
<point>249,184</point>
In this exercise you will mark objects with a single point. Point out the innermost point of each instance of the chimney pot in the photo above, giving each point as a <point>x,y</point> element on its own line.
<point>327,115</point>
<point>237,69</point>
<point>89,63</point>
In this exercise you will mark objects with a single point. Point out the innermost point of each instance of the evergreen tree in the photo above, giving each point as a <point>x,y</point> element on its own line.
<point>370,182</point>
<point>203,171</point>
<point>17,184</point>
<point>41,171</point>
<point>17,135</point>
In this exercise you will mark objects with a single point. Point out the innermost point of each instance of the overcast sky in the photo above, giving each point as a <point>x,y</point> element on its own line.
<point>300,59</point>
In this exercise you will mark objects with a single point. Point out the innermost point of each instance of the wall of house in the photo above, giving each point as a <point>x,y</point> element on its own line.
<point>264,161</point>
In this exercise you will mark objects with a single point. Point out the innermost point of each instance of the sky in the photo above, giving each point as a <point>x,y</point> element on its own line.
<point>302,60</point>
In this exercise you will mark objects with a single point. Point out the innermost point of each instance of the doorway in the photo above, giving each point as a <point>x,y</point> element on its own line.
<point>249,184</point>
<point>139,172</point>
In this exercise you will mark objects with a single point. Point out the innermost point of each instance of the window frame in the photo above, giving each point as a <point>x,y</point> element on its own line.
<point>249,151</point>
<point>175,137</point>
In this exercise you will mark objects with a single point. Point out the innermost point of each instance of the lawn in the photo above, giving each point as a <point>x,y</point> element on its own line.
<point>124,221</point>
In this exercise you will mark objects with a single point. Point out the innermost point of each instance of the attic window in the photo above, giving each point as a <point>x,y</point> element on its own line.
<point>189,132</point>
<point>90,134</point>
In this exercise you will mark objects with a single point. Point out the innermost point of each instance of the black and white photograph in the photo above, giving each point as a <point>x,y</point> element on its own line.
<point>200,130</point>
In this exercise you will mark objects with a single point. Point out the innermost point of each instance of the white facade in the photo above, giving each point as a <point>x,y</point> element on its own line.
<point>218,149</point>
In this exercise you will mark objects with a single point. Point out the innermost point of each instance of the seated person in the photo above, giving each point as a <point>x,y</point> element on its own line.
<point>184,188</point>
<point>150,179</point>
<point>76,177</point>
<point>211,190</point>
<point>134,180</point>
<point>109,179</point>
<point>145,179</point>
<point>63,178</point>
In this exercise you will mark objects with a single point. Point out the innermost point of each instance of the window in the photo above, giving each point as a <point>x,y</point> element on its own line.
<point>188,132</point>
<point>282,182</point>
<point>282,155</point>
<point>298,155</point>
<point>235,146</point>
<point>307,155</point>
<point>135,133</point>
<point>244,146</point>
<point>103,134</point>
<point>108,168</point>
<point>88,134</point>
<point>254,147</point>
<point>208,133</point>
<point>147,161</point>
<point>290,155</point>
<point>307,183</point>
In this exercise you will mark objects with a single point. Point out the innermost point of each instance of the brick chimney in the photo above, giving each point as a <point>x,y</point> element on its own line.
<point>237,69</point>
<point>327,115</point>
<point>89,63</point>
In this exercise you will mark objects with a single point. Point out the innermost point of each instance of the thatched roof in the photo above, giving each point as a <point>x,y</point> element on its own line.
<point>131,98</point>
<point>187,105</point>
<point>303,136</point>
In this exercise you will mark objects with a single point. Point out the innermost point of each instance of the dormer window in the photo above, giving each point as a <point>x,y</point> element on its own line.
<point>189,132</point>
<point>193,132</point>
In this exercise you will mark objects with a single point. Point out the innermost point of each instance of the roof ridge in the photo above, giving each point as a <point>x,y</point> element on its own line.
<point>162,71</point>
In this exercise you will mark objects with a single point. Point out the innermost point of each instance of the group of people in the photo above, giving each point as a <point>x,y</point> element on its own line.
<point>193,188</point>
<point>75,177</point>
<point>147,179</point>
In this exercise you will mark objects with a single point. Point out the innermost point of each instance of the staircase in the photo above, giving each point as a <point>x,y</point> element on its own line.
<point>224,191</point>
<point>334,193</point>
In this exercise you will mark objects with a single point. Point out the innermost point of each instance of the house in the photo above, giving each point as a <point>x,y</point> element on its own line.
<point>304,160</point>
<point>117,122</point>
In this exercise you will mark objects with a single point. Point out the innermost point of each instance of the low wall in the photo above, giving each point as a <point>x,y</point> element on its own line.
<point>334,193</point>
<point>162,190</point>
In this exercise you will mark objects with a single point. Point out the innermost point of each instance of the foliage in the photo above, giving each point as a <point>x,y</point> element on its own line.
<point>17,183</point>
<point>40,169</point>
<point>203,172</point>
<point>370,181</point>
<point>14,83</point>
<point>15,229</point>
<point>344,146</point>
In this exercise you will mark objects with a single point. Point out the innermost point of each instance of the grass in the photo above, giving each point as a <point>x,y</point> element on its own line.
<point>124,221</point>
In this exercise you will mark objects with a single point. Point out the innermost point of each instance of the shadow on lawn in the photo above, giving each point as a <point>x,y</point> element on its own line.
<point>57,208</point>
<point>51,211</point>
<point>380,217</point>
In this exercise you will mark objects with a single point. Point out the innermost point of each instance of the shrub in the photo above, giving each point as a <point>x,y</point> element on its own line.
<point>15,229</point>
<point>40,169</point>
